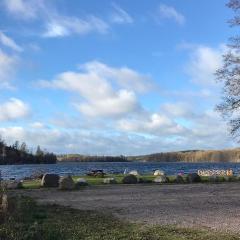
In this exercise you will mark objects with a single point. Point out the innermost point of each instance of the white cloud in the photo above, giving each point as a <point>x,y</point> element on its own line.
<point>120,16</point>
<point>154,124</point>
<point>62,26</point>
<point>8,42</point>
<point>106,91</point>
<point>178,109</point>
<point>55,24</point>
<point>204,61</point>
<point>24,9</point>
<point>8,65</point>
<point>13,109</point>
<point>169,12</point>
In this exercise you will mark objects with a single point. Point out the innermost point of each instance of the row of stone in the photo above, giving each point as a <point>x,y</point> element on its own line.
<point>67,183</point>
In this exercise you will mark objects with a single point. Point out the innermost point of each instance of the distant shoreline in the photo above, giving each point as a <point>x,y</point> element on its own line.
<point>188,156</point>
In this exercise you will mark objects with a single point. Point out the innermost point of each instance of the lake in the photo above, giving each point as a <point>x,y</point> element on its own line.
<point>80,168</point>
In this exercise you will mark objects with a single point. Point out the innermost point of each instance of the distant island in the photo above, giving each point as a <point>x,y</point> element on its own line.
<point>195,156</point>
<point>18,153</point>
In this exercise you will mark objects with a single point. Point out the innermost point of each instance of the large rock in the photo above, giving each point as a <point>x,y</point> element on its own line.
<point>66,183</point>
<point>159,173</point>
<point>214,179</point>
<point>81,182</point>
<point>109,181</point>
<point>50,180</point>
<point>134,172</point>
<point>161,179</point>
<point>14,184</point>
<point>179,179</point>
<point>130,179</point>
<point>193,178</point>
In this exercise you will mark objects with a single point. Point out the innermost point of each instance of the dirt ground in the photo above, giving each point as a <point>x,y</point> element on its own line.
<point>215,206</point>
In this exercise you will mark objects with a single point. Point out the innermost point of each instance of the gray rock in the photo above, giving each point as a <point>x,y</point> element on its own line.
<point>13,184</point>
<point>66,183</point>
<point>134,172</point>
<point>161,179</point>
<point>50,180</point>
<point>193,178</point>
<point>159,173</point>
<point>81,182</point>
<point>214,179</point>
<point>179,179</point>
<point>130,179</point>
<point>109,181</point>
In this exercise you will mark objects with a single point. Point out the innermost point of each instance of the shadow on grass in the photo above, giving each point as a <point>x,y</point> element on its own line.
<point>28,221</point>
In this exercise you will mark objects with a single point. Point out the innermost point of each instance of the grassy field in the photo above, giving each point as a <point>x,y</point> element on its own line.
<point>29,221</point>
<point>33,184</point>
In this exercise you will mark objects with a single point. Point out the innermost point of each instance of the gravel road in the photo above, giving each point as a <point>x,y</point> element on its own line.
<point>215,206</point>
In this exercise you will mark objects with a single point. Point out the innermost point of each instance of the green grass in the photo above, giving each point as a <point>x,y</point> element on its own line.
<point>34,184</point>
<point>29,221</point>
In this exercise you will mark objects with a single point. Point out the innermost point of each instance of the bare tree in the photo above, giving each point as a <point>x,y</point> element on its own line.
<point>229,75</point>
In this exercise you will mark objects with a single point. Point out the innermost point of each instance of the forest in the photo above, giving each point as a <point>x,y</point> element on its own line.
<point>18,153</point>
<point>228,155</point>
<point>87,158</point>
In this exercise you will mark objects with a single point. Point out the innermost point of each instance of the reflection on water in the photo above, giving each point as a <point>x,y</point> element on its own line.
<point>21,171</point>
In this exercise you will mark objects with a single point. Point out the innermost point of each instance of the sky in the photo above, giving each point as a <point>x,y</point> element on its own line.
<point>113,77</point>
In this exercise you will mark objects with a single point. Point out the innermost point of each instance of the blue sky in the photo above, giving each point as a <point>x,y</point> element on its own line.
<point>116,77</point>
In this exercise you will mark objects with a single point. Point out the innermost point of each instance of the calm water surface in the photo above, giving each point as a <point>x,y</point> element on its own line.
<point>21,171</point>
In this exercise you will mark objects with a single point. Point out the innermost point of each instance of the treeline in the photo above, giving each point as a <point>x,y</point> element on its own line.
<point>86,158</point>
<point>231,155</point>
<point>18,153</point>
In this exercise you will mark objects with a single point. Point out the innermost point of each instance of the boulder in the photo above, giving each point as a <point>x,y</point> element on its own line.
<point>193,178</point>
<point>109,181</point>
<point>81,182</point>
<point>161,179</point>
<point>130,179</point>
<point>14,184</point>
<point>179,179</point>
<point>96,173</point>
<point>214,179</point>
<point>66,183</point>
<point>159,173</point>
<point>50,180</point>
<point>230,179</point>
<point>134,172</point>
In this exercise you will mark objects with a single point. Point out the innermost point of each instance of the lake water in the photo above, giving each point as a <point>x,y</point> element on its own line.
<point>74,168</point>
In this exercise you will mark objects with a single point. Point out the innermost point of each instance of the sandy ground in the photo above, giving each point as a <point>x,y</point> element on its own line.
<point>215,206</point>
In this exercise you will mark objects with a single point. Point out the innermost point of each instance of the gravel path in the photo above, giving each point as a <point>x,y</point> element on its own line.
<point>215,206</point>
